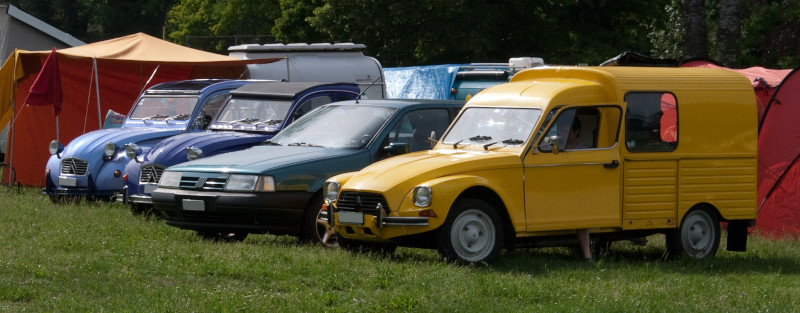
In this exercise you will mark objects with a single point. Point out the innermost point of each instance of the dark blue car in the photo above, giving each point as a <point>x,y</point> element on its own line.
<point>276,187</point>
<point>252,114</point>
<point>91,165</point>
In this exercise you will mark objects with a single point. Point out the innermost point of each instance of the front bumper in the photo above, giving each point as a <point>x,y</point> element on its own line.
<point>373,226</point>
<point>273,212</point>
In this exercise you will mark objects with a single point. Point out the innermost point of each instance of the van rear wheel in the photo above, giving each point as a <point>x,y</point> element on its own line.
<point>698,236</point>
<point>472,233</point>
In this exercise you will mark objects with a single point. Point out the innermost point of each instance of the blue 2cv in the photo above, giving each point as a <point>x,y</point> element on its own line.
<point>252,114</point>
<point>91,165</point>
<point>276,187</point>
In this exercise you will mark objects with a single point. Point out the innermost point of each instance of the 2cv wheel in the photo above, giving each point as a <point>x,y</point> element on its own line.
<point>698,236</point>
<point>472,233</point>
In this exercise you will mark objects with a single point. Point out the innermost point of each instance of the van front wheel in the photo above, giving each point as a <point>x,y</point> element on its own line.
<point>472,233</point>
<point>698,236</point>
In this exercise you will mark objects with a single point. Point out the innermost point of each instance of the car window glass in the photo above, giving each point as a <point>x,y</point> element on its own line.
<point>651,122</point>
<point>311,104</point>
<point>415,128</point>
<point>176,108</point>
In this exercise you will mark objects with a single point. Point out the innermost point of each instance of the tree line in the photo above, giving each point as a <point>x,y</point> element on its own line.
<point>736,33</point>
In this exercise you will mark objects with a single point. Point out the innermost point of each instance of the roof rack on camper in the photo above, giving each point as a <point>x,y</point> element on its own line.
<point>316,62</point>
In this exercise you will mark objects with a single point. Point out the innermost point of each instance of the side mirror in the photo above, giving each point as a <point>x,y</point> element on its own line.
<point>432,139</point>
<point>550,144</point>
<point>396,148</point>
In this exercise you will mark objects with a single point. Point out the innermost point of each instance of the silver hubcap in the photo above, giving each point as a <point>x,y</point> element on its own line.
<point>698,234</point>
<point>473,235</point>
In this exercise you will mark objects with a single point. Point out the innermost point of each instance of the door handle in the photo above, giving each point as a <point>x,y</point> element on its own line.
<point>612,164</point>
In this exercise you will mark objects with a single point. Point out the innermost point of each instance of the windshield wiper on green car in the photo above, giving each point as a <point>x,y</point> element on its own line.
<point>246,120</point>
<point>480,138</point>
<point>304,144</point>
<point>512,141</point>
<point>270,122</point>
<point>270,143</point>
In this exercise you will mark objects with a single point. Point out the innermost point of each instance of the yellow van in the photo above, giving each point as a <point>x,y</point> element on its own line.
<point>625,152</point>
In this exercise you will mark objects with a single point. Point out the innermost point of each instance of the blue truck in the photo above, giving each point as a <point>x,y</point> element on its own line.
<point>252,114</point>
<point>91,165</point>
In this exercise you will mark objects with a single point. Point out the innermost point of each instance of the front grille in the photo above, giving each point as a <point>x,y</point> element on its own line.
<point>361,202</point>
<point>74,166</point>
<point>150,173</point>
<point>203,182</point>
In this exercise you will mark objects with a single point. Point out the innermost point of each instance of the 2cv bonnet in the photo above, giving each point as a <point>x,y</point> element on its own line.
<point>624,152</point>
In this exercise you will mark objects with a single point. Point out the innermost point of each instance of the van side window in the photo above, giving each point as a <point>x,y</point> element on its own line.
<point>651,122</point>
<point>579,128</point>
<point>310,105</point>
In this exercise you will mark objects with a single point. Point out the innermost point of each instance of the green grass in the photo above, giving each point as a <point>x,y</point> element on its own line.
<point>100,258</point>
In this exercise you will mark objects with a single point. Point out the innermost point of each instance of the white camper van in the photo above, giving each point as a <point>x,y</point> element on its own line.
<point>318,62</point>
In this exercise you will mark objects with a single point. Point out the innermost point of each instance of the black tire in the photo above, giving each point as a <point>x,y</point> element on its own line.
<point>316,229</point>
<point>222,236</point>
<point>698,236</point>
<point>472,233</point>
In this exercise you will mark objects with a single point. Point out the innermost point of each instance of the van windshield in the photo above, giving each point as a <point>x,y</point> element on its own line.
<point>164,108</point>
<point>480,125</point>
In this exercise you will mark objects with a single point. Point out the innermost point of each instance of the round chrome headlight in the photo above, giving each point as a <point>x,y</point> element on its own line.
<point>132,150</point>
<point>331,190</point>
<point>423,196</point>
<point>109,149</point>
<point>55,147</point>
<point>193,153</point>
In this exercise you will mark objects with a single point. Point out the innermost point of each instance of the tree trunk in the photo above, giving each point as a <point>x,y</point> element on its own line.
<point>695,41</point>
<point>730,32</point>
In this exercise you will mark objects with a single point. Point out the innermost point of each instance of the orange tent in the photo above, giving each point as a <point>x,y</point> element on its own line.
<point>95,78</point>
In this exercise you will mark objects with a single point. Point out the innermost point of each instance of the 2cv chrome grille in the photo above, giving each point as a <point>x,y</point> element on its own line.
<point>74,166</point>
<point>361,202</point>
<point>150,173</point>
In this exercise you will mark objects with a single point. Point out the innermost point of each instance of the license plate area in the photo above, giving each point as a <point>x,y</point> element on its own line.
<point>353,218</point>
<point>148,188</point>
<point>193,205</point>
<point>67,181</point>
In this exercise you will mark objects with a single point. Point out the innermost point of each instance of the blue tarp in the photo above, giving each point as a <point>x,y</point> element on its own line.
<point>420,82</point>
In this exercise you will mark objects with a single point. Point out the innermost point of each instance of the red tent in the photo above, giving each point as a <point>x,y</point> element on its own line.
<point>778,95</point>
<point>95,78</point>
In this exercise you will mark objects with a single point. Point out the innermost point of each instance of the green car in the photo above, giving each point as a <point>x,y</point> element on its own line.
<point>276,187</point>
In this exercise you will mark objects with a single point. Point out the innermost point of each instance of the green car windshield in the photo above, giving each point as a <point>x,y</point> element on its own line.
<point>335,126</point>
<point>481,125</point>
<point>164,108</point>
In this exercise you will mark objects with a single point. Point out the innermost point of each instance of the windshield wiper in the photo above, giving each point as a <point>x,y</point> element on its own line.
<point>270,143</point>
<point>246,120</point>
<point>455,145</point>
<point>178,116</point>
<point>480,138</point>
<point>512,141</point>
<point>155,116</point>
<point>304,144</point>
<point>486,146</point>
<point>271,122</point>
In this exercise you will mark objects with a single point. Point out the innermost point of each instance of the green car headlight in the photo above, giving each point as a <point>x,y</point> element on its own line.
<point>237,182</point>
<point>170,179</point>
<point>331,190</point>
<point>423,196</point>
